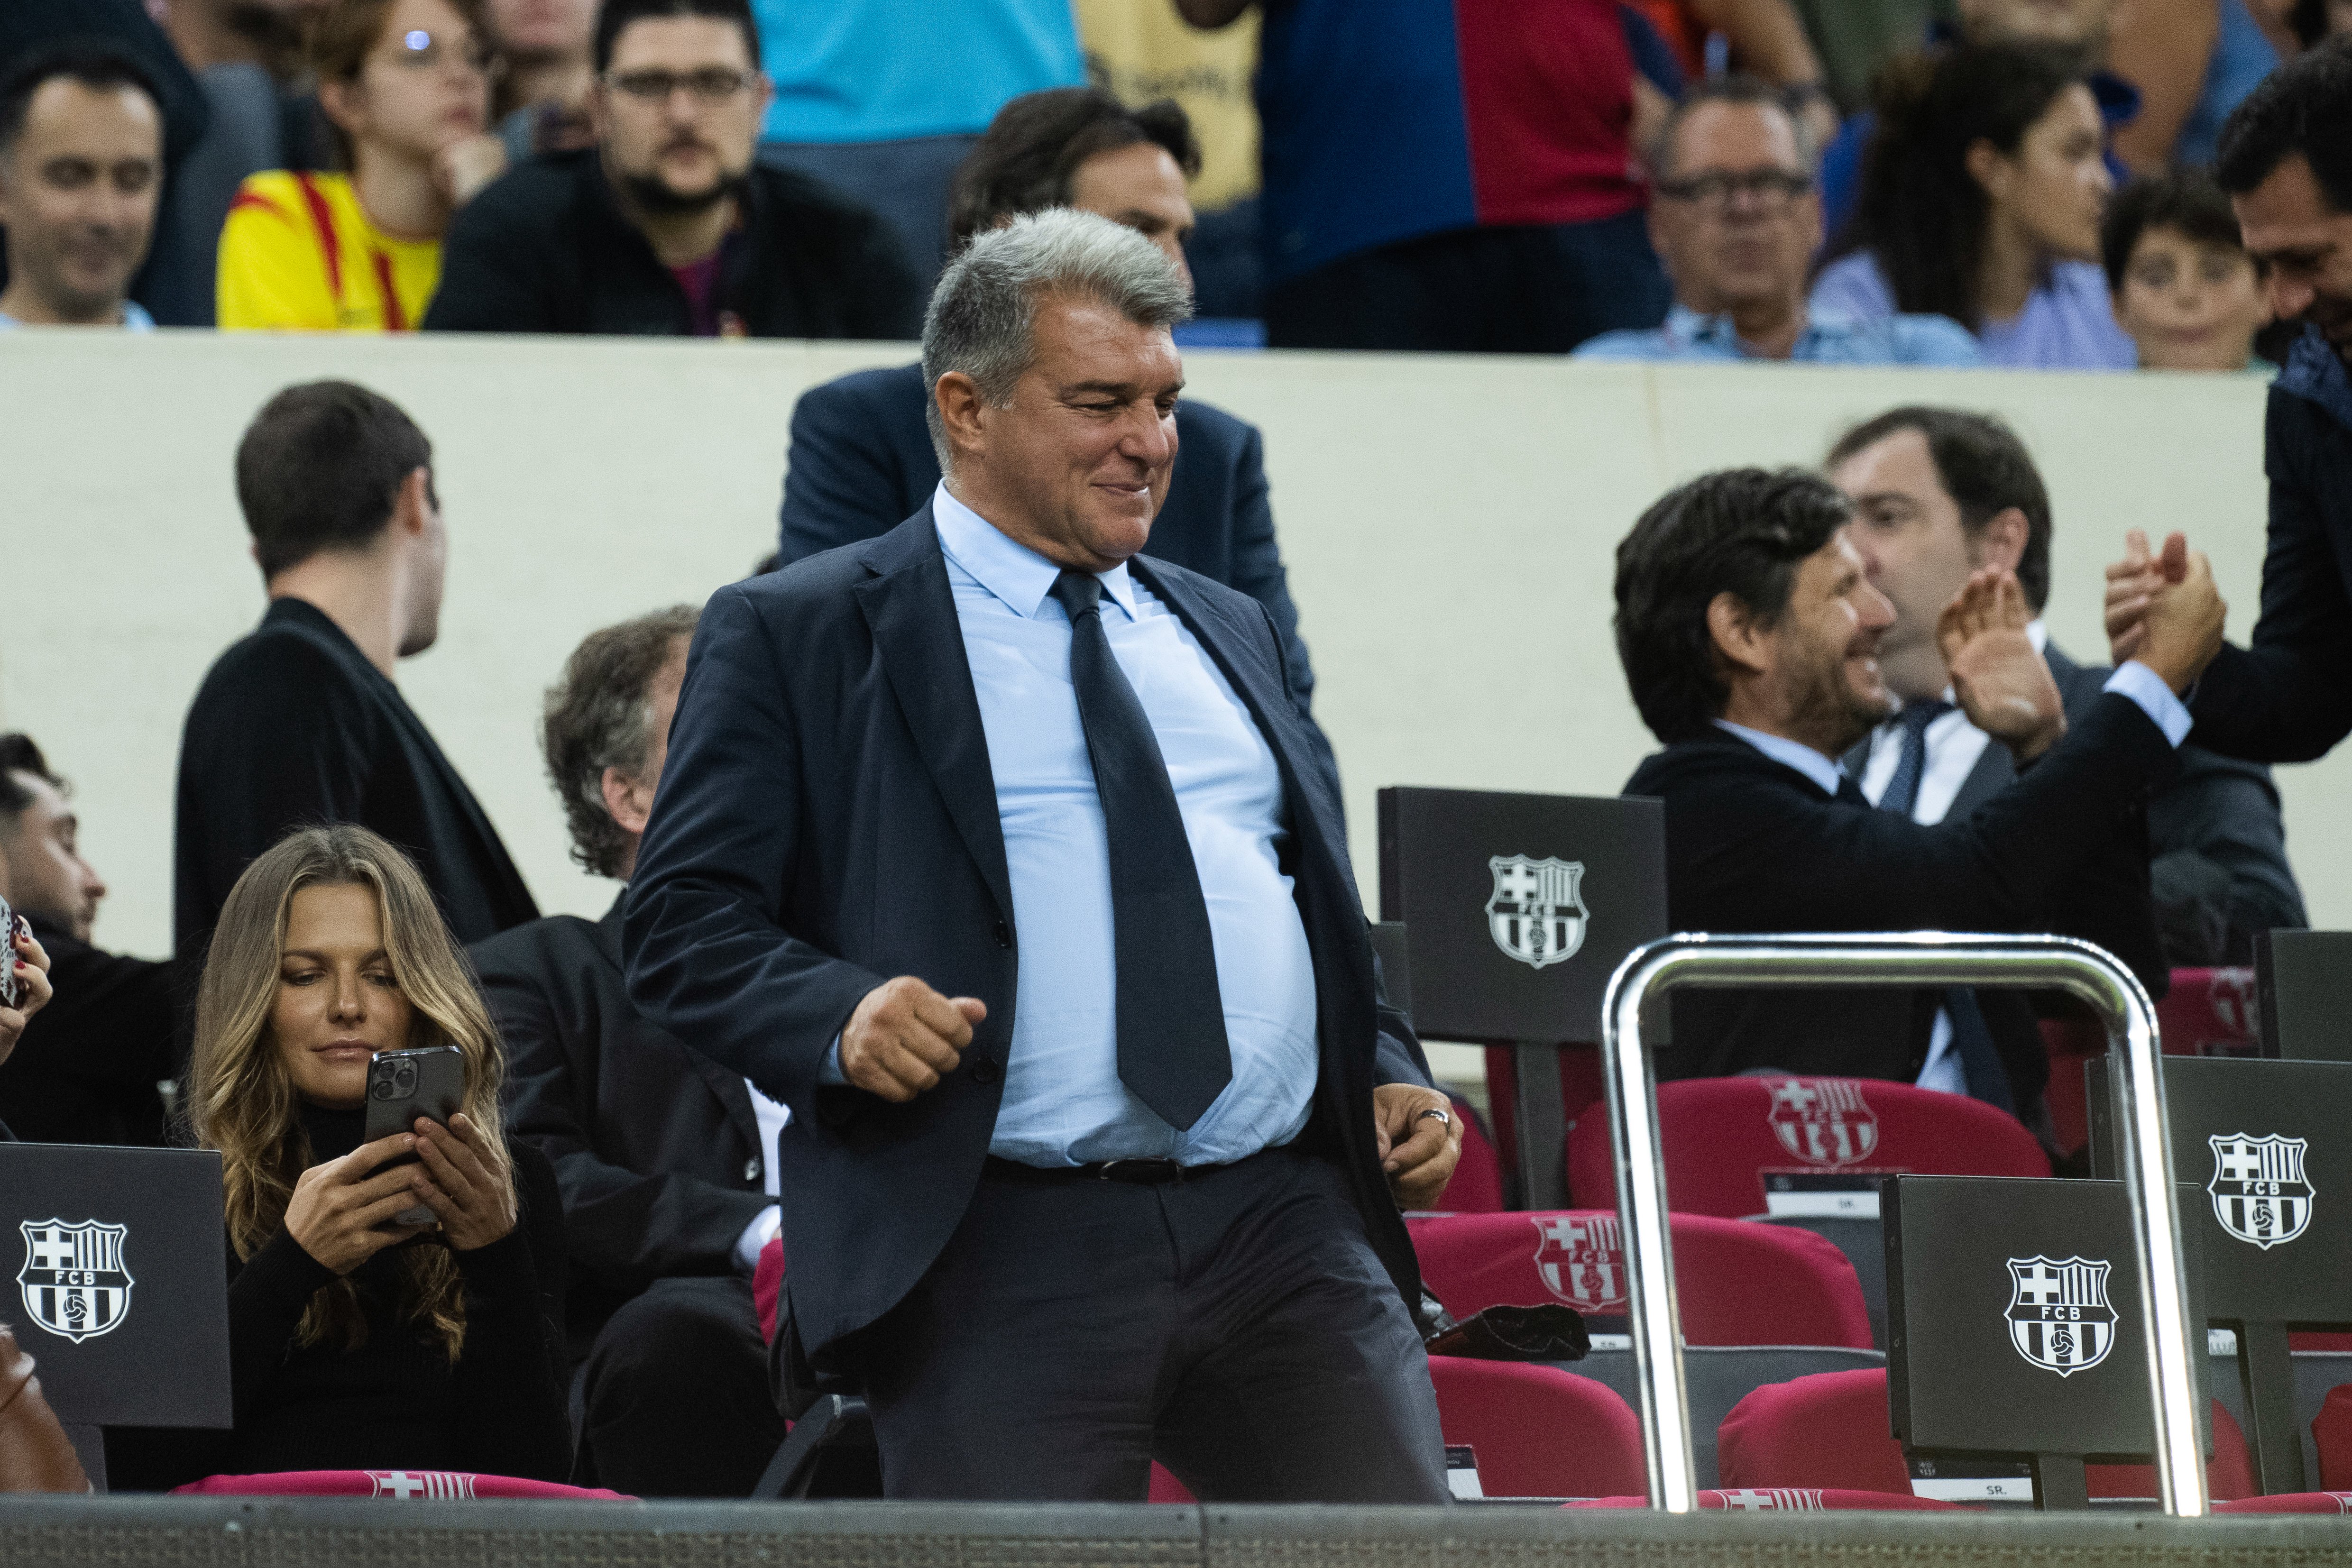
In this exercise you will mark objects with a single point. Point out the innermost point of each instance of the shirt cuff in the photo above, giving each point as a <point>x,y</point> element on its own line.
<point>2145,687</point>
<point>832,1075</point>
<point>765,1226</point>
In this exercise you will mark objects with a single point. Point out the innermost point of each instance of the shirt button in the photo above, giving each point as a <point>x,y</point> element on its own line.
<point>984,1071</point>
<point>1003,934</point>
<point>751,1168</point>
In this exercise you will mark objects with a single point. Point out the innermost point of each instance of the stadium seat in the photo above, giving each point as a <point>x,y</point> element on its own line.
<point>1477,1184</point>
<point>2210,1013</point>
<point>428,1485</point>
<point>2289,1502</point>
<point>1832,1430</point>
<point>1716,1377</point>
<point>1538,1431</point>
<point>1783,1499</point>
<point>768,1288</point>
<point>1737,1284</point>
<point>1719,1135</point>
<point>1580,1092</point>
<point>2331,1434</point>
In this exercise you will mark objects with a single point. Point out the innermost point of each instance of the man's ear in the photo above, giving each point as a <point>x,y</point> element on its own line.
<point>1740,639</point>
<point>413,503</point>
<point>962,411</point>
<point>627,802</point>
<point>2002,541</point>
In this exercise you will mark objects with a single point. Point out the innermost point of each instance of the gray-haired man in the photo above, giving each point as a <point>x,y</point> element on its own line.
<point>1150,1212</point>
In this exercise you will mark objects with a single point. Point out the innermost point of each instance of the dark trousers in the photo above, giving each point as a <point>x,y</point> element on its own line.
<point>1237,1327</point>
<point>674,1394</point>
<point>1527,290</point>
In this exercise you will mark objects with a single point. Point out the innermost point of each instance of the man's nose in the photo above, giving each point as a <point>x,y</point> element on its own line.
<point>1150,438</point>
<point>1877,609</point>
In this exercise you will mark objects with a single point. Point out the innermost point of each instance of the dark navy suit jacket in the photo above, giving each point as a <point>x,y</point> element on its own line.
<point>861,461</point>
<point>828,820</point>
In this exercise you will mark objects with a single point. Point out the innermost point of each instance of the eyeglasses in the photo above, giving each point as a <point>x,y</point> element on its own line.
<point>1716,187</point>
<point>419,50</point>
<point>711,85</point>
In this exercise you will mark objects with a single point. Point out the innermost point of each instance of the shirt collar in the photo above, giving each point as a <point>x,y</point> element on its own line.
<point>1794,754</point>
<point>1687,325</point>
<point>1008,568</point>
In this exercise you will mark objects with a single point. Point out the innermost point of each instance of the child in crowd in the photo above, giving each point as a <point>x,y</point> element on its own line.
<point>2184,288</point>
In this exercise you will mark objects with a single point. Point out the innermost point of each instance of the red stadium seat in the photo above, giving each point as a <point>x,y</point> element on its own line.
<point>1477,1184</point>
<point>1720,1136</point>
<point>2210,1013</point>
<point>429,1486</point>
<point>1737,1284</point>
<point>2289,1502</point>
<point>1580,1092</point>
<point>1832,1430</point>
<point>1166,1488</point>
<point>1785,1499</point>
<point>2331,1433</point>
<point>768,1288</point>
<point>1538,1431</point>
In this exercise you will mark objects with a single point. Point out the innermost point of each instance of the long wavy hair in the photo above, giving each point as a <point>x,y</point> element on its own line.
<point>1920,211</point>
<point>242,1100</point>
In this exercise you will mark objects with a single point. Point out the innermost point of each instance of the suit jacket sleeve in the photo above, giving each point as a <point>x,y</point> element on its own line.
<point>707,937</point>
<point>2220,871</point>
<point>488,283</point>
<point>624,1228</point>
<point>843,481</point>
<point>2285,699</point>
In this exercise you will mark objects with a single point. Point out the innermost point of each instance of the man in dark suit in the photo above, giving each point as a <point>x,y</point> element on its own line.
<point>861,457</point>
<point>90,1069</point>
<point>1750,632</point>
<point>1150,1209</point>
<point>1939,494</point>
<point>299,722</point>
<point>664,1156</point>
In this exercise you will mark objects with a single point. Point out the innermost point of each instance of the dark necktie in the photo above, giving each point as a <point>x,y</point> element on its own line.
<point>1172,1051</point>
<point>1911,762</point>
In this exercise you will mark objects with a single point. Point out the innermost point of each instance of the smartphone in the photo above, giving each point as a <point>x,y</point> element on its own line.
<point>12,925</point>
<point>403,1085</point>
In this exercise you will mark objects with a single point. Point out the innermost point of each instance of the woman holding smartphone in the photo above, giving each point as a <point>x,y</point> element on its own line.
<point>357,1342</point>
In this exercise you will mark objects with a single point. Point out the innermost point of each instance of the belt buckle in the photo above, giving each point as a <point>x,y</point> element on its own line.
<point>1140,1172</point>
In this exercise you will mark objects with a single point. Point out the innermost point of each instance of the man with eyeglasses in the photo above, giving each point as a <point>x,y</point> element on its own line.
<point>668,228</point>
<point>1736,221</point>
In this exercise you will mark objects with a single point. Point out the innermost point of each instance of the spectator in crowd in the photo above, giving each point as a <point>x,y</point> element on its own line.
<point>860,110</point>
<point>1750,632</point>
<point>668,228</point>
<point>2184,288</point>
<point>299,722</point>
<point>1448,177</point>
<point>81,170</point>
<point>406,85</point>
<point>1737,221</point>
<point>1980,201</point>
<point>547,48</point>
<point>32,968</point>
<point>350,1350</point>
<point>89,1070</point>
<point>2286,164</point>
<point>1940,494</point>
<point>863,458</point>
<point>877,768</point>
<point>666,1160</point>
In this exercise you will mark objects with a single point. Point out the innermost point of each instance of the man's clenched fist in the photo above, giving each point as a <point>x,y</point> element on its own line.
<point>904,1036</point>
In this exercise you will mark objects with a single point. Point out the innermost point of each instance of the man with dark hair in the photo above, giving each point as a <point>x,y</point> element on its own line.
<point>666,1159</point>
<point>91,1068</point>
<point>1940,494</point>
<point>299,722</point>
<point>2286,162</point>
<point>1750,632</point>
<point>670,226</point>
<point>1737,221</point>
<point>81,170</point>
<point>862,459</point>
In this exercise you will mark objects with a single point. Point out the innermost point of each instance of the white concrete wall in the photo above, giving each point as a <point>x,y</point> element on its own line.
<point>1449,525</point>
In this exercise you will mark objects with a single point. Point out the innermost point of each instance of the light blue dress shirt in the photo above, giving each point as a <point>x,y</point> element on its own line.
<point>1064,1103</point>
<point>1829,338</point>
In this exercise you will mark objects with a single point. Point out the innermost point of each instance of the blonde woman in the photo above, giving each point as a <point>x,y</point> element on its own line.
<point>356,1344</point>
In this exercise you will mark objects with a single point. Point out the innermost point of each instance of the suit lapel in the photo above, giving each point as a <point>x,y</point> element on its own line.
<point>911,612</point>
<point>732,1096</point>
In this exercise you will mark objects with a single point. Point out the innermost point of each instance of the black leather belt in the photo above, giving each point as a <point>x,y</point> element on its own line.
<point>1137,1173</point>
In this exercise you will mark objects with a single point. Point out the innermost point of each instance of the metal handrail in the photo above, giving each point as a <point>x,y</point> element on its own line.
<point>1910,957</point>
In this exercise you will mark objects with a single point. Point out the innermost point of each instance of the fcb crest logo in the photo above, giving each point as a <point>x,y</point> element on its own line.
<point>1823,1121</point>
<point>1580,1259</point>
<point>2258,1189</point>
<point>73,1281</point>
<point>1535,914</point>
<point>2058,1314</point>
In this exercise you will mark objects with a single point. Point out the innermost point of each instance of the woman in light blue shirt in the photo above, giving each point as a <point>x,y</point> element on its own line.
<point>1980,200</point>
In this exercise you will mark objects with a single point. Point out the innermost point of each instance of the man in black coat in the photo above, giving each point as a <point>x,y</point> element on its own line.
<point>90,1068</point>
<point>299,722</point>
<point>669,226</point>
<point>862,457</point>
<point>1149,1206</point>
<point>1750,632</point>
<point>661,1156</point>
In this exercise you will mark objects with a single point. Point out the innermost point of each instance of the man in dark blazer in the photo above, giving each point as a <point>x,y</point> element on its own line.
<point>1939,493</point>
<point>1147,1206</point>
<point>1750,634</point>
<point>299,722</point>
<point>659,1152</point>
<point>861,457</point>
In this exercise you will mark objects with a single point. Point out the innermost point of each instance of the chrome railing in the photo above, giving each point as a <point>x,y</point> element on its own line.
<point>1901,958</point>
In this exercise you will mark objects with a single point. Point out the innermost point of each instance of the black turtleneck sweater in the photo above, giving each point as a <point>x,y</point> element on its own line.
<point>396,1401</point>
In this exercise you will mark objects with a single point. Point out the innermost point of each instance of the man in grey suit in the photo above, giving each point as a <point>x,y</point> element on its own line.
<point>1938,493</point>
